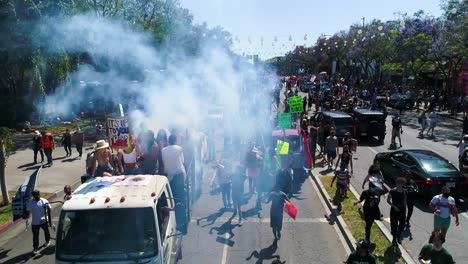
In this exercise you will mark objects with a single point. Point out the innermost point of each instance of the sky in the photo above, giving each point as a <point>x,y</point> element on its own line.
<point>267,19</point>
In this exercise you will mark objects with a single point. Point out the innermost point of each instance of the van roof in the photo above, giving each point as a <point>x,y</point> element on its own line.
<point>137,190</point>
<point>334,114</point>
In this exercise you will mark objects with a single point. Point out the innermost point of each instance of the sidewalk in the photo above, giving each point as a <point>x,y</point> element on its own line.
<point>66,170</point>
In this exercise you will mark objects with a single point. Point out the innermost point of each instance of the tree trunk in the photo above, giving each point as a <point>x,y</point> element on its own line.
<point>6,198</point>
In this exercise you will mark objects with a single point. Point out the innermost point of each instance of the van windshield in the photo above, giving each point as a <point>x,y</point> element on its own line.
<point>107,235</point>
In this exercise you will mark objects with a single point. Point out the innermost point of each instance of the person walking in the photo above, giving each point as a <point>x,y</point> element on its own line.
<point>362,255</point>
<point>223,174</point>
<point>48,145</point>
<point>433,120</point>
<point>39,208</point>
<point>78,139</point>
<point>313,136</point>
<point>37,146</point>
<point>462,145</point>
<point>371,198</point>
<point>397,130</point>
<point>411,194</point>
<point>374,170</point>
<point>331,148</point>
<point>277,199</point>
<point>422,119</point>
<point>342,176</point>
<point>66,142</point>
<point>345,159</point>
<point>443,205</point>
<point>435,253</point>
<point>103,158</point>
<point>397,200</point>
<point>237,181</point>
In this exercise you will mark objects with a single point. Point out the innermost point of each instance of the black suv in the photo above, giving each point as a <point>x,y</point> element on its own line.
<point>343,122</point>
<point>370,123</point>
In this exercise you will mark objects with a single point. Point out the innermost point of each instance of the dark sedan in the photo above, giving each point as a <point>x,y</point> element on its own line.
<point>429,170</point>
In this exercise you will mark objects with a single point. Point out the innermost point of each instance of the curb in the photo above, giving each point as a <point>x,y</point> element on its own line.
<point>404,254</point>
<point>348,236</point>
<point>6,226</point>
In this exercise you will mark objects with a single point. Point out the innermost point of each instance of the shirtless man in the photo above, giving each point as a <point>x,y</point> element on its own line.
<point>103,157</point>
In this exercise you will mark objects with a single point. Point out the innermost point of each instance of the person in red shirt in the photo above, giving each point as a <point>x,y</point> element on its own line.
<point>48,145</point>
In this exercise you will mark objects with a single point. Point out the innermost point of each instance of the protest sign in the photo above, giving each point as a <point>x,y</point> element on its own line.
<point>284,120</point>
<point>23,195</point>
<point>119,132</point>
<point>295,104</point>
<point>282,148</point>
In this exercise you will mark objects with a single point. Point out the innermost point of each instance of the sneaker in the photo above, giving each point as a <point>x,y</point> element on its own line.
<point>35,251</point>
<point>47,244</point>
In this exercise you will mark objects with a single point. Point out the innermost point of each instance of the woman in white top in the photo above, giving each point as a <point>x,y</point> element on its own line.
<point>434,118</point>
<point>129,156</point>
<point>423,121</point>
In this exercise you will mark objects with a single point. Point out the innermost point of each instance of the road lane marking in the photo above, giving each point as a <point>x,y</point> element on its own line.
<point>373,150</point>
<point>225,250</point>
<point>222,220</point>
<point>435,151</point>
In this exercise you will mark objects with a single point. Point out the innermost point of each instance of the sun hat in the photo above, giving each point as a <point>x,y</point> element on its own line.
<point>100,144</point>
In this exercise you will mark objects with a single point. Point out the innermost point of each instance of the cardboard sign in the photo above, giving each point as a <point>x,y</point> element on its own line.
<point>282,148</point>
<point>284,120</point>
<point>295,104</point>
<point>119,132</point>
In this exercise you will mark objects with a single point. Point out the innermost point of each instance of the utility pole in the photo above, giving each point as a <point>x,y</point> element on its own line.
<point>363,21</point>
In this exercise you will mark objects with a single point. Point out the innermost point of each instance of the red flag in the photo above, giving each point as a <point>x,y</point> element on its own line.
<point>290,209</point>
<point>308,164</point>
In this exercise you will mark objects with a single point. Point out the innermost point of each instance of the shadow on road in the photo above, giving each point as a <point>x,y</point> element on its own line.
<point>266,253</point>
<point>20,258</point>
<point>211,219</point>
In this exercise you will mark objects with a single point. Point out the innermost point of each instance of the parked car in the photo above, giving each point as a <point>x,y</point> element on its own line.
<point>429,170</point>
<point>370,123</point>
<point>343,122</point>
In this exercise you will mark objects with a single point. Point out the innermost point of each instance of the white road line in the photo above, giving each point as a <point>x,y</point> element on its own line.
<point>328,212</point>
<point>373,150</point>
<point>435,151</point>
<point>225,250</point>
<point>222,220</point>
<point>465,215</point>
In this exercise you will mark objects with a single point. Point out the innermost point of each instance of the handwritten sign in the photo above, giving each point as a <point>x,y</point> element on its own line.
<point>119,132</point>
<point>282,148</point>
<point>295,104</point>
<point>284,120</point>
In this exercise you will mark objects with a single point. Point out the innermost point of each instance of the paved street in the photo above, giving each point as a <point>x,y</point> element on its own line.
<point>447,135</point>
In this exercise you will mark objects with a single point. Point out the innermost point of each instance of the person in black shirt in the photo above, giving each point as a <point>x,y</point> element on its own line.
<point>37,146</point>
<point>362,254</point>
<point>66,141</point>
<point>396,129</point>
<point>397,200</point>
<point>411,193</point>
<point>371,198</point>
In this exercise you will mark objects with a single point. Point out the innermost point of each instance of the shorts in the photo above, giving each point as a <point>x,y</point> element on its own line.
<point>341,186</point>
<point>395,132</point>
<point>433,124</point>
<point>101,169</point>
<point>331,154</point>
<point>440,222</point>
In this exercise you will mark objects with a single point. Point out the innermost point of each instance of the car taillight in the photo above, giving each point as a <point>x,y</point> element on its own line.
<point>429,181</point>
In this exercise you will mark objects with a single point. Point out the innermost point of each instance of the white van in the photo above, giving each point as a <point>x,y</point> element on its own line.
<point>120,219</point>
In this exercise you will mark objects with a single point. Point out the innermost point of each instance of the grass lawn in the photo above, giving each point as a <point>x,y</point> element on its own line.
<point>384,251</point>
<point>5,211</point>
<point>59,129</point>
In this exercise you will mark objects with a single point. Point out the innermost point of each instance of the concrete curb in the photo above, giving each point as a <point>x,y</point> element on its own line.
<point>347,234</point>
<point>8,225</point>
<point>404,254</point>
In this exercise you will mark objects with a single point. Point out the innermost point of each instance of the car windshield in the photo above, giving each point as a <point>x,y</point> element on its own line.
<point>437,165</point>
<point>343,121</point>
<point>107,235</point>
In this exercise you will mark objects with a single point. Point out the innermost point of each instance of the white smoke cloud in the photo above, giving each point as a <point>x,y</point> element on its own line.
<point>177,92</point>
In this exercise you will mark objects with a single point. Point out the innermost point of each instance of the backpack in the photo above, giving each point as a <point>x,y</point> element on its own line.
<point>374,199</point>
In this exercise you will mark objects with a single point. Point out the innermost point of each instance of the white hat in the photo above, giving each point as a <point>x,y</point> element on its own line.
<point>37,133</point>
<point>100,144</point>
